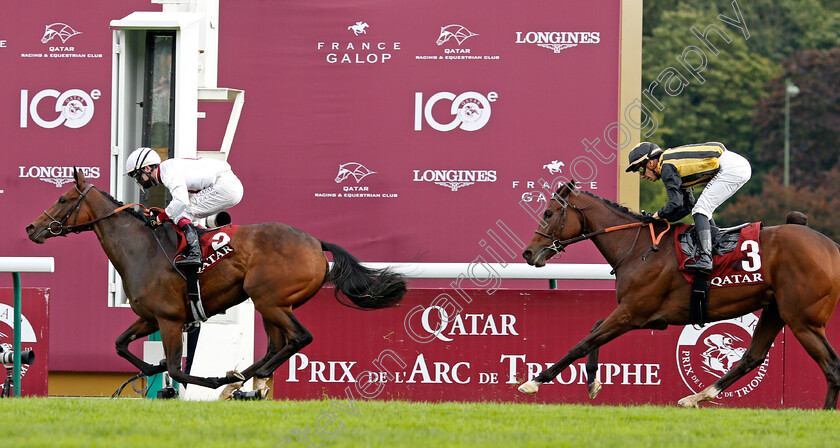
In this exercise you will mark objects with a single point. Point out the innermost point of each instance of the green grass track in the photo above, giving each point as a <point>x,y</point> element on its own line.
<point>59,422</point>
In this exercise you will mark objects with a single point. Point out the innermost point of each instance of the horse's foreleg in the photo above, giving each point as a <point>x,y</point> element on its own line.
<point>140,328</point>
<point>297,337</point>
<point>768,326</point>
<point>613,326</point>
<point>170,335</point>
<point>593,386</point>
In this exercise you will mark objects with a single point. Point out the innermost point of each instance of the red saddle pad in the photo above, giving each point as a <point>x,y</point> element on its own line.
<point>215,245</point>
<point>741,266</point>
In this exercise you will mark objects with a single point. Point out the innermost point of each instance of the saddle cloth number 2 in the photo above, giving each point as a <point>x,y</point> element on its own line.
<point>220,239</point>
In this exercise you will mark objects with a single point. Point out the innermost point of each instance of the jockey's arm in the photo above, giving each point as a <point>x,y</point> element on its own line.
<point>177,186</point>
<point>675,209</point>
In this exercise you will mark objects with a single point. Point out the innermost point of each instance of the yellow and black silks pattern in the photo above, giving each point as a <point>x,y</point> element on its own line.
<point>696,164</point>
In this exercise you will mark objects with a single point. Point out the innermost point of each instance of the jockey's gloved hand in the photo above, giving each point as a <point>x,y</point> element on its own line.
<point>648,218</point>
<point>158,217</point>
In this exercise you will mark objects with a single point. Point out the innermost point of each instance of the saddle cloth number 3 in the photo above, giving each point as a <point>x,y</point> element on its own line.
<point>754,262</point>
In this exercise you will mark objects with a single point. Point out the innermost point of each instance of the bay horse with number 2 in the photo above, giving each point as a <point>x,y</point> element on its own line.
<point>277,266</point>
<point>801,287</point>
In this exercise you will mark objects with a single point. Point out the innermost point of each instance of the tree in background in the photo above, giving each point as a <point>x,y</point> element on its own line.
<point>814,119</point>
<point>821,204</point>
<point>718,109</point>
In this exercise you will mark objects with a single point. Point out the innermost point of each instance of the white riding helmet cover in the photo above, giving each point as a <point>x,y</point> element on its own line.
<point>139,158</point>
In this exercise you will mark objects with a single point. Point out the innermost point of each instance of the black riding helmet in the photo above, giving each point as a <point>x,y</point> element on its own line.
<point>641,154</point>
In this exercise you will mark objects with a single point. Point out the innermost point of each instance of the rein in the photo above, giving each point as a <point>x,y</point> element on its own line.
<point>57,227</point>
<point>560,245</point>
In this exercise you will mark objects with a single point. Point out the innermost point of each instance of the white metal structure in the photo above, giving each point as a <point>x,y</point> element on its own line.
<point>225,340</point>
<point>27,264</point>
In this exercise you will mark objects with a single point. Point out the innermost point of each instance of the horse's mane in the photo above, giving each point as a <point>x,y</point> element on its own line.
<point>619,208</point>
<point>130,211</point>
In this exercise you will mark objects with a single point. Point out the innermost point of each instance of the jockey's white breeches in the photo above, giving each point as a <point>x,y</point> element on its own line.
<point>226,192</point>
<point>734,172</point>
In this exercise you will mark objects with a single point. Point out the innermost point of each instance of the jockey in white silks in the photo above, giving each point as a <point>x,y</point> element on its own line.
<point>199,188</point>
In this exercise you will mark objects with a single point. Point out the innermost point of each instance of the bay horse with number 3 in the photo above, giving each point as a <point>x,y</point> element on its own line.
<point>801,287</point>
<point>277,266</point>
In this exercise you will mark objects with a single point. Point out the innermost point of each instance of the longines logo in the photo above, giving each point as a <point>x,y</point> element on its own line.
<point>455,179</point>
<point>450,41</point>
<point>357,49</point>
<point>706,354</point>
<point>558,41</point>
<point>74,107</point>
<point>56,37</point>
<point>357,172</point>
<point>57,175</point>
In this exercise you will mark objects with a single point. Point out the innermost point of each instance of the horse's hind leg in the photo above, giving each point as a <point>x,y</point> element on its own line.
<point>297,337</point>
<point>768,326</point>
<point>276,341</point>
<point>815,343</point>
<point>140,328</point>
<point>593,386</point>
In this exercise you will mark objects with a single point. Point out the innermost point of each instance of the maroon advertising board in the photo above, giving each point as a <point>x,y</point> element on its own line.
<point>35,336</point>
<point>403,132</point>
<point>497,341</point>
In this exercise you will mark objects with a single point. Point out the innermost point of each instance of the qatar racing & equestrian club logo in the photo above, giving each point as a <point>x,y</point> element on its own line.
<point>704,355</point>
<point>356,171</point>
<point>450,46</point>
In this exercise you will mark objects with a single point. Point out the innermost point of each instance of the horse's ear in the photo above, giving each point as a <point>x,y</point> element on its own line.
<point>78,176</point>
<point>570,185</point>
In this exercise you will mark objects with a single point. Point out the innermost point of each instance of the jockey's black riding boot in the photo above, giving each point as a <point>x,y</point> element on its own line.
<point>192,254</point>
<point>703,256</point>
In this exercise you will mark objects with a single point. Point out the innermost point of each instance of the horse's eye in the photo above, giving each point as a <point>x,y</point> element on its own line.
<point>548,214</point>
<point>62,200</point>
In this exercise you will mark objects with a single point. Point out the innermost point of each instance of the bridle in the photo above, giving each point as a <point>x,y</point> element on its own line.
<point>57,227</point>
<point>558,245</point>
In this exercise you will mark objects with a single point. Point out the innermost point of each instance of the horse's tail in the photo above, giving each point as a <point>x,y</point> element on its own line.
<point>364,287</point>
<point>795,217</point>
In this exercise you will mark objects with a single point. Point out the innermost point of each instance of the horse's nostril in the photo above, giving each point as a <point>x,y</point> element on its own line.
<point>526,255</point>
<point>29,229</point>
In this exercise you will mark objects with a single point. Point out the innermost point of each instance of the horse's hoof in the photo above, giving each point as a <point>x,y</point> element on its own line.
<point>261,386</point>
<point>227,392</point>
<point>687,402</point>
<point>530,388</point>
<point>594,388</point>
<point>263,392</point>
<point>233,376</point>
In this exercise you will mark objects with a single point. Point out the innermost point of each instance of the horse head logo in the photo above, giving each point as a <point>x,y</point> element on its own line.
<point>554,166</point>
<point>357,170</point>
<point>61,30</point>
<point>460,33</point>
<point>358,28</point>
